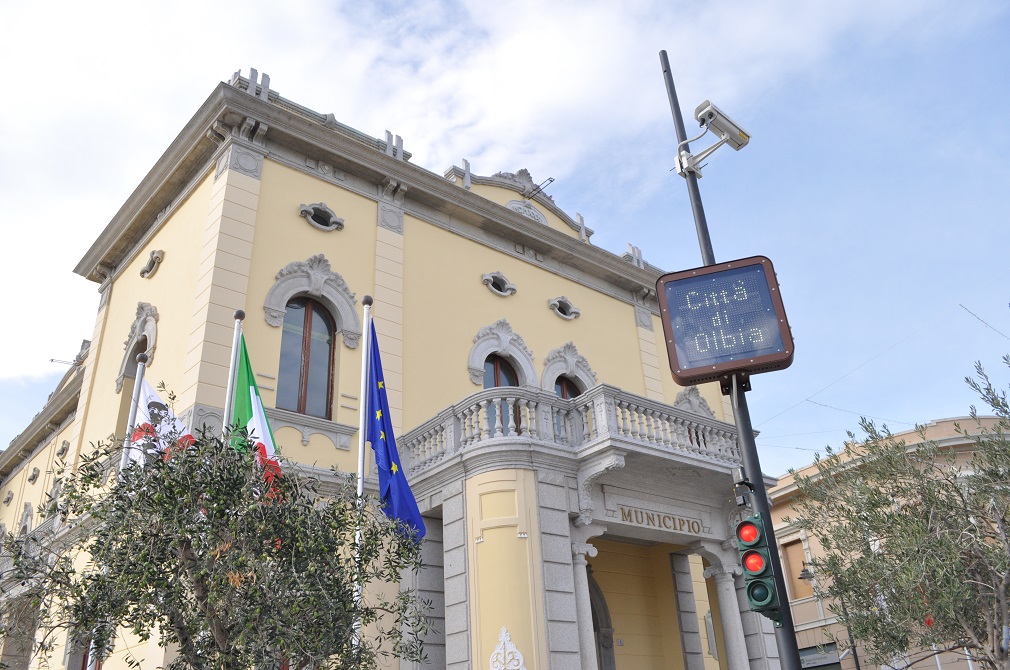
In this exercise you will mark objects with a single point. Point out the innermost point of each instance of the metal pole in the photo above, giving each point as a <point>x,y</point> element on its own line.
<point>229,397</point>
<point>366,346</point>
<point>785,635</point>
<point>704,241</point>
<point>138,381</point>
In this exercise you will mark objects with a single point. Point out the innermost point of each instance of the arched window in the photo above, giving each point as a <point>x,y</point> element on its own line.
<point>565,388</point>
<point>499,372</point>
<point>305,377</point>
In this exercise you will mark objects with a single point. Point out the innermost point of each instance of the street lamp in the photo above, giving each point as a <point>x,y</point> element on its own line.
<point>807,575</point>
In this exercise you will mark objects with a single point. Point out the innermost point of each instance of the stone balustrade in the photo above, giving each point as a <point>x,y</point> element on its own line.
<point>603,415</point>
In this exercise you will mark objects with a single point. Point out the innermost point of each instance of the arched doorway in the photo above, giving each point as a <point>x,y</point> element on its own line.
<point>603,630</point>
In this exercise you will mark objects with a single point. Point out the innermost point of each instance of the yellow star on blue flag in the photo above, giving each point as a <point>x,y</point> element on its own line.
<point>397,499</point>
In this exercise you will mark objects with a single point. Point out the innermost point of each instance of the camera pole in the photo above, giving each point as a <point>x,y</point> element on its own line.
<point>785,635</point>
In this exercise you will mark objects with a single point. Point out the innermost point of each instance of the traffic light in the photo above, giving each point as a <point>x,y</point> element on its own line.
<point>759,577</point>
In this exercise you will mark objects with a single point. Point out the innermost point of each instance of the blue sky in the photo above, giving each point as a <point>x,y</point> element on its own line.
<point>876,179</point>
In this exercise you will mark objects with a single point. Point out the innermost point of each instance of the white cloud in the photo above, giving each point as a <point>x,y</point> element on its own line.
<point>100,89</point>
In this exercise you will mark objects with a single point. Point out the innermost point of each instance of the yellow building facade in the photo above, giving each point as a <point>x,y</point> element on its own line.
<point>578,504</point>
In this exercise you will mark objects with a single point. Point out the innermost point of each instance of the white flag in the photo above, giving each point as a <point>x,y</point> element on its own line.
<point>157,429</point>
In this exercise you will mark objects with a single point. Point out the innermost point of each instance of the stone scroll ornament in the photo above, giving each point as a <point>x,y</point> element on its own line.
<point>506,656</point>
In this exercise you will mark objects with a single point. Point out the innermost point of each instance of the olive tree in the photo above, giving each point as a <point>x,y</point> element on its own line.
<point>915,539</point>
<point>196,548</point>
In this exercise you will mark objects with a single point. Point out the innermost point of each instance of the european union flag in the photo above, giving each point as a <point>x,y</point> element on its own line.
<point>397,500</point>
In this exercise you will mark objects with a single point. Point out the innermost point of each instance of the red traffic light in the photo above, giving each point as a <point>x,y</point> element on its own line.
<point>747,533</point>
<point>754,562</point>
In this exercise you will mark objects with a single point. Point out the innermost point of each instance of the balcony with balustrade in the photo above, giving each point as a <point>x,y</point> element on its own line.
<point>520,426</point>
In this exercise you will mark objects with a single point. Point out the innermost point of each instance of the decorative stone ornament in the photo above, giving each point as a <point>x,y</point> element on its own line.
<point>144,326</point>
<point>499,284</point>
<point>564,308</point>
<point>33,477</point>
<point>499,338</point>
<point>8,498</point>
<point>524,208</point>
<point>506,656</point>
<point>153,263</point>
<point>321,217</point>
<point>64,448</point>
<point>690,400</point>
<point>313,277</point>
<point>567,361</point>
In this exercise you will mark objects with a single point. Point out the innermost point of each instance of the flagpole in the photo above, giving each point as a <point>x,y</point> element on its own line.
<point>366,348</point>
<point>138,382</point>
<point>232,370</point>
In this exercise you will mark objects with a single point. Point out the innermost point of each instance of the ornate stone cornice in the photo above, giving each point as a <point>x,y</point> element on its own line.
<point>296,129</point>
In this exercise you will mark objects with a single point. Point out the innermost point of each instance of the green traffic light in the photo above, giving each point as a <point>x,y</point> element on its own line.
<point>759,594</point>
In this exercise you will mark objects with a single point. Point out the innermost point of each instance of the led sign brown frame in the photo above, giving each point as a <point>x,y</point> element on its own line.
<point>768,362</point>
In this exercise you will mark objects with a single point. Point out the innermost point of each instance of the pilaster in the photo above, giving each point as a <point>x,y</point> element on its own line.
<point>687,611</point>
<point>222,275</point>
<point>387,314</point>
<point>505,566</point>
<point>429,582</point>
<point>563,638</point>
<point>651,370</point>
<point>456,587</point>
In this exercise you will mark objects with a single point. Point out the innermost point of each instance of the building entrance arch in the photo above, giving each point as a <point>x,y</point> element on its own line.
<point>603,629</point>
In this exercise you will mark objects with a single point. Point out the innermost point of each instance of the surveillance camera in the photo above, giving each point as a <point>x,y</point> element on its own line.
<point>709,115</point>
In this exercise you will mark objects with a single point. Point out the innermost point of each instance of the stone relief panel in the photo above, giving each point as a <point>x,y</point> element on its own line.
<point>643,317</point>
<point>390,212</point>
<point>241,159</point>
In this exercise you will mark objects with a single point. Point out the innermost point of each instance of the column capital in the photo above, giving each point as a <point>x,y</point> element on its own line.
<point>724,571</point>
<point>582,533</point>
<point>717,553</point>
<point>583,550</point>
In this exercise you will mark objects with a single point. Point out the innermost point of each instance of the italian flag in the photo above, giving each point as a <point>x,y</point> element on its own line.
<point>249,413</point>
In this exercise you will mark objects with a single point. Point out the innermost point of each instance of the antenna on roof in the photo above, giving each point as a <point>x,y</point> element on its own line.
<point>544,184</point>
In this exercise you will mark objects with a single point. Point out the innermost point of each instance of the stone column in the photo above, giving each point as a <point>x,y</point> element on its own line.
<point>581,533</point>
<point>729,612</point>
<point>584,608</point>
